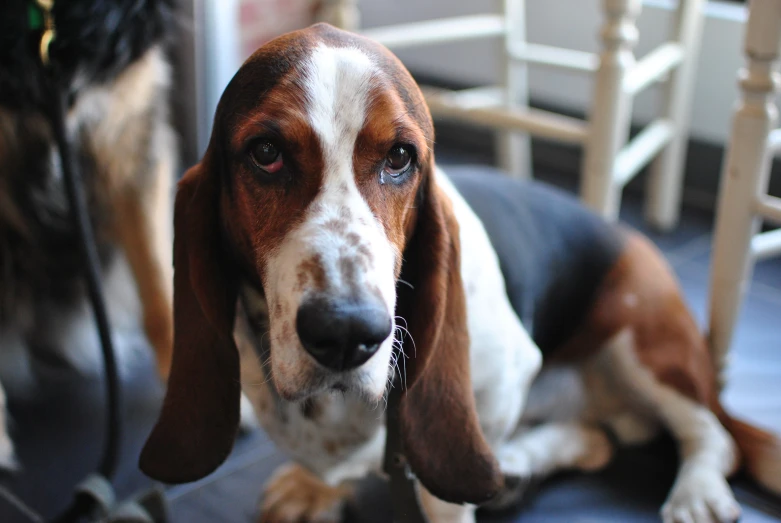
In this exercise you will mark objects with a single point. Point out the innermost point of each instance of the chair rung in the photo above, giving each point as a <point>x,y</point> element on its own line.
<point>766,245</point>
<point>438,31</point>
<point>653,66</point>
<point>769,207</point>
<point>550,56</point>
<point>643,147</point>
<point>474,98</point>
<point>534,121</point>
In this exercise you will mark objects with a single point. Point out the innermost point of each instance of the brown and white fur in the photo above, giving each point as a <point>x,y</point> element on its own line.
<point>334,223</point>
<point>125,148</point>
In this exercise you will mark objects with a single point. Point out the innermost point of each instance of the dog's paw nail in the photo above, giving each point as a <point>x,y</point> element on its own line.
<point>295,494</point>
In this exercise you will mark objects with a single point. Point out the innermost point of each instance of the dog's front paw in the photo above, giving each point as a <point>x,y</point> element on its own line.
<point>599,451</point>
<point>295,495</point>
<point>701,497</point>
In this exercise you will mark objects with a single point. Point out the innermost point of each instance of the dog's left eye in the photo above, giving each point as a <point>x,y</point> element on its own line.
<point>398,160</point>
<point>266,155</point>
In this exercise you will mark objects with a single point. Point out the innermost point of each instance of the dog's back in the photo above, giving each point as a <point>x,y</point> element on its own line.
<point>553,252</point>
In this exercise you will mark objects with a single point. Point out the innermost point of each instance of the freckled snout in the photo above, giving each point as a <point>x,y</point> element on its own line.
<point>342,334</point>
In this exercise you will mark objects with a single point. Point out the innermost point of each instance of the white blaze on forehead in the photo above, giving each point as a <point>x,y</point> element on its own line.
<point>339,230</point>
<point>338,85</point>
<point>338,82</point>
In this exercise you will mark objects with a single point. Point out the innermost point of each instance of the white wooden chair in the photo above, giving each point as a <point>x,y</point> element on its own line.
<point>609,161</point>
<point>743,199</point>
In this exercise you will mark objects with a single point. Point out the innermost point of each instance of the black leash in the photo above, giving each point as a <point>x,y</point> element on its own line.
<point>404,496</point>
<point>74,188</point>
<point>83,505</point>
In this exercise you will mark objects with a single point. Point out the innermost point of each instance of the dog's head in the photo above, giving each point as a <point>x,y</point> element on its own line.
<point>318,188</point>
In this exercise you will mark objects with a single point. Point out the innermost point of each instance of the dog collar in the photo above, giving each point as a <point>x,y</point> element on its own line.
<point>40,17</point>
<point>406,504</point>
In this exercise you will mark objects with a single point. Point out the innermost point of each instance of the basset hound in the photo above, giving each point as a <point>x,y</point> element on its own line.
<point>360,265</point>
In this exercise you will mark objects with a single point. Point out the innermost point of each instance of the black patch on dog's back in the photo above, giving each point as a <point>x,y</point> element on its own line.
<point>553,252</point>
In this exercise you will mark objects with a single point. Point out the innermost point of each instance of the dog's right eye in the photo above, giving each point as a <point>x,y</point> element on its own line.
<point>398,160</point>
<point>266,155</point>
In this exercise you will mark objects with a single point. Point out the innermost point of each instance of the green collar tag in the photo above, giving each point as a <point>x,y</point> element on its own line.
<point>34,17</point>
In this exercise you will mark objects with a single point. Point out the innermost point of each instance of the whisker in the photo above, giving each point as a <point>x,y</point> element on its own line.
<point>404,374</point>
<point>408,284</point>
<point>262,336</point>
<point>398,346</point>
<point>263,362</point>
<point>406,331</point>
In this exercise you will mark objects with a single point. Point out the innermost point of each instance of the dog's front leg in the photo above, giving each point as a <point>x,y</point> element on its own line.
<point>327,456</point>
<point>537,452</point>
<point>331,438</point>
<point>296,494</point>
<point>329,452</point>
<point>144,229</point>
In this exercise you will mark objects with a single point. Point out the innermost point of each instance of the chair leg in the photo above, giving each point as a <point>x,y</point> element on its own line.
<point>611,108</point>
<point>666,176</point>
<point>343,14</point>
<point>514,148</point>
<point>744,175</point>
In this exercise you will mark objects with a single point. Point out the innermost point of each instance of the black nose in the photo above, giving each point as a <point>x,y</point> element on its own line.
<point>342,334</point>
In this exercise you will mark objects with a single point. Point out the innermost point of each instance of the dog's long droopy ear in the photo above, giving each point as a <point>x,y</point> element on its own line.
<point>200,414</point>
<point>442,438</point>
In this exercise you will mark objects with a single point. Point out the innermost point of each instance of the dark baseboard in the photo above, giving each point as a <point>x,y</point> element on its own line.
<point>703,159</point>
